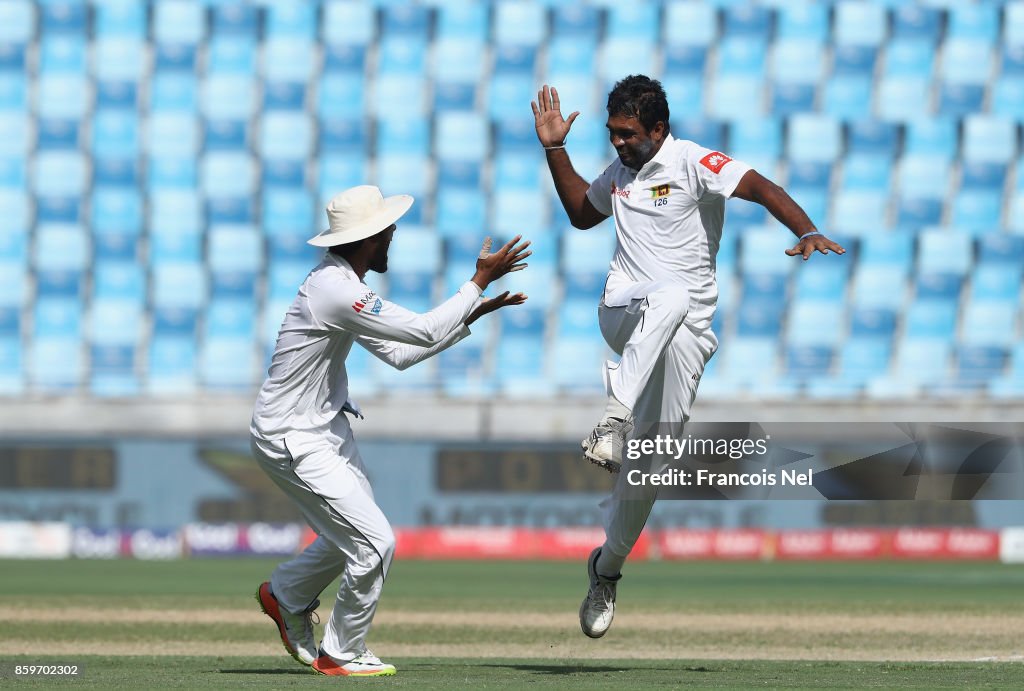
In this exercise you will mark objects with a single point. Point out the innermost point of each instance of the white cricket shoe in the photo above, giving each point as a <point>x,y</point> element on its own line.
<point>604,445</point>
<point>598,608</point>
<point>296,630</point>
<point>365,664</point>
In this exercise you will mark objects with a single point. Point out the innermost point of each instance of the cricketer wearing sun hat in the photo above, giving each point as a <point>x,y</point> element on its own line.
<point>300,430</point>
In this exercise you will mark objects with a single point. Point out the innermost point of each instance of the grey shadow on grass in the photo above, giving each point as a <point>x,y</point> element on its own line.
<point>570,668</point>
<point>304,672</point>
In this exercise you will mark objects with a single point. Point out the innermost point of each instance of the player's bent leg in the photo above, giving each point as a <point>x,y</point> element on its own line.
<point>641,331</point>
<point>598,608</point>
<point>343,651</point>
<point>296,630</point>
<point>604,446</point>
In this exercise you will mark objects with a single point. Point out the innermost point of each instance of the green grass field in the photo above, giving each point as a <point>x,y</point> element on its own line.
<point>193,624</point>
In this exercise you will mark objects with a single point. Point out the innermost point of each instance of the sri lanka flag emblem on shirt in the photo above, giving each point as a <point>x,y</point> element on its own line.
<point>659,191</point>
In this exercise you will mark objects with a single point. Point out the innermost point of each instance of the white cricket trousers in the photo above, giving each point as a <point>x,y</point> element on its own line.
<point>663,358</point>
<point>324,474</point>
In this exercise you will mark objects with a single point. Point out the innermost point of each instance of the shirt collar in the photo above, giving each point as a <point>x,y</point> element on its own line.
<point>660,158</point>
<point>341,263</point>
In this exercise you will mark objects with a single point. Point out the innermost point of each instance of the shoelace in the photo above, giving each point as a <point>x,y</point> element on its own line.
<point>601,596</point>
<point>367,658</point>
<point>310,619</point>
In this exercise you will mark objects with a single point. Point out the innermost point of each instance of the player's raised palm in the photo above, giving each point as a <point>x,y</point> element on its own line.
<point>552,128</point>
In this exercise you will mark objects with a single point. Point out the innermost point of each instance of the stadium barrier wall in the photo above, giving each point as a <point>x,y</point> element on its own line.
<point>27,540</point>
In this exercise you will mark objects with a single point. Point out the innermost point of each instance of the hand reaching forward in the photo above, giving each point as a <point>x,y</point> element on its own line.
<point>494,304</point>
<point>552,128</point>
<point>490,267</point>
<point>809,245</point>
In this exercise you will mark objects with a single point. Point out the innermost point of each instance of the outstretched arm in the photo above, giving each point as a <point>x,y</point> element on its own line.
<point>402,356</point>
<point>754,187</point>
<point>552,130</point>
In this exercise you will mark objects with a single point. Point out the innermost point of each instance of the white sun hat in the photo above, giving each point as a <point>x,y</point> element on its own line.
<point>358,213</point>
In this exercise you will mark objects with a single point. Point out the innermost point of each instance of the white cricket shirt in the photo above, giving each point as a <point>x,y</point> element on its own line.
<point>668,220</point>
<point>307,384</point>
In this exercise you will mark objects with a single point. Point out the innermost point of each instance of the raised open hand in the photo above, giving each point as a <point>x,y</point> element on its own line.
<point>552,128</point>
<point>492,266</point>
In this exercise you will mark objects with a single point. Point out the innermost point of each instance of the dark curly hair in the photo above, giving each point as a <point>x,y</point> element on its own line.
<point>640,97</point>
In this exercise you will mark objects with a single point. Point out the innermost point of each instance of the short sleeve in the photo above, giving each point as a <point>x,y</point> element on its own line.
<point>600,192</point>
<point>713,172</point>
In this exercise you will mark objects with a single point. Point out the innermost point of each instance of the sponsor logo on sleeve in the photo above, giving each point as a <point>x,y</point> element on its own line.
<point>619,192</point>
<point>715,161</point>
<point>369,302</point>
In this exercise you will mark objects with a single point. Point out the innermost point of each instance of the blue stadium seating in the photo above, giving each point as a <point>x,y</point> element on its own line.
<point>200,173</point>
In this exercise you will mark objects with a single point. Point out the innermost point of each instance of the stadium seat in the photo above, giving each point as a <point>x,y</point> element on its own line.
<point>348,22</point>
<point>802,21</point>
<point>742,57</point>
<point>938,286</point>
<point>179,285</point>
<point>977,211</point>
<point>980,365</point>
<point>286,136</point>
<point>747,21</point>
<point>1000,249</point>
<point>119,59</point>
<point>944,251</point>
<point>989,323</point>
<point>576,20</point>
<point>63,54</point>
<point>231,55</point>
<point>989,139</point>
<point>924,361</point>
<point>173,93</point>
<point>178,23</point>
<point>118,18</point>
<point>283,95</point>
<point>813,138</point>
<point>965,61</point>
<point>172,134</point>
<point>12,366</point>
<point>880,286</point>
<point>923,176</point>
<point>814,321</point>
<point>115,134</point>
<point>796,60</point>
<point>974,22</point>
<point>289,59</point>
<point>862,173</point>
<point>860,24</point>
<point>56,364</point>
<point>461,137</point>
<point>290,20</point>
<point>931,318</point>
<point>18,22</point>
<point>873,322</point>
<point>228,97</point>
<point>903,98</point>
<point>228,364</point>
<point>456,60</point>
